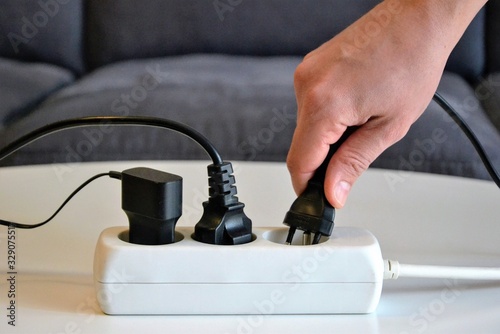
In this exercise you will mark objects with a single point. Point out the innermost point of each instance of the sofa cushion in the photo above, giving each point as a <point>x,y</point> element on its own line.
<point>24,85</point>
<point>119,30</point>
<point>244,105</point>
<point>47,31</point>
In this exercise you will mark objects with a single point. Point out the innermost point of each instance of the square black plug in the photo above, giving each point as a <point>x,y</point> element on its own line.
<point>152,201</point>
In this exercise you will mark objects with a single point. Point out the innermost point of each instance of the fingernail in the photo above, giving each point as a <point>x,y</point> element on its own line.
<point>341,191</point>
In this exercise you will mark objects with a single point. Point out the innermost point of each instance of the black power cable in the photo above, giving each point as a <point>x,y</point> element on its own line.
<point>83,185</point>
<point>96,121</point>
<point>470,135</point>
<point>113,120</point>
<point>222,212</point>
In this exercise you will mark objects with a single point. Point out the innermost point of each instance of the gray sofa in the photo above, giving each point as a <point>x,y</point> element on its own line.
<point>224,67</point>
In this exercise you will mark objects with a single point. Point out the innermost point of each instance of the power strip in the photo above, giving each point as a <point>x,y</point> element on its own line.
<point>341,274</point>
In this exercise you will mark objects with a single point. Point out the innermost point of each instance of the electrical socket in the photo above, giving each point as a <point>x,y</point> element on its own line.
<point>341,274</point>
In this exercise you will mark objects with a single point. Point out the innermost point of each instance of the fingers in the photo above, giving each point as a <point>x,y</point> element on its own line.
<point>309,148</point>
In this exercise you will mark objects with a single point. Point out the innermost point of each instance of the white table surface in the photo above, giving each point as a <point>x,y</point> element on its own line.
<point>417,218</point>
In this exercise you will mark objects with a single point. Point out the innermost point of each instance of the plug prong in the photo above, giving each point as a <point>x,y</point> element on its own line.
<point>316,239</point>
<point>306,238</point>
<point>289,237</point>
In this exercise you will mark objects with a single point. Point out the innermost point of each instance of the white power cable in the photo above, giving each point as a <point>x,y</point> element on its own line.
<point>393,270</point>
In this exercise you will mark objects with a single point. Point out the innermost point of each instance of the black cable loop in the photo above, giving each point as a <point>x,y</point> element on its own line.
<point>113,120</point>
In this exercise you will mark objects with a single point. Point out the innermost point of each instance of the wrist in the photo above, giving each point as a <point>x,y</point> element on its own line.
<point>447,19</point>
<point>430,27</point>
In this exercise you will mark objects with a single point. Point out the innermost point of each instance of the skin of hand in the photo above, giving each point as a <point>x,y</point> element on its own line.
<point>380,74</point>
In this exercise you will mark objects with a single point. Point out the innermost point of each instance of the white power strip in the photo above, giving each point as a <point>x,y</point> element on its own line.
<point>341,274</point>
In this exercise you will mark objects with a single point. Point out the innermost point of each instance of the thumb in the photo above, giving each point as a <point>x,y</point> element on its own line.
<point>354,157</point>
<point>308,150</point>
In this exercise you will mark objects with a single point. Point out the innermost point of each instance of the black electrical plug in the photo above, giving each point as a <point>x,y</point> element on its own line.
<point>152,201</point>
<point>223,221</point>
<point>311,212</point>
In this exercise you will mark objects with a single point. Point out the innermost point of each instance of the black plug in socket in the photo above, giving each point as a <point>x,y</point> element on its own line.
<point>152,201</point>
<point>223,221</point>
<point>311,212</point>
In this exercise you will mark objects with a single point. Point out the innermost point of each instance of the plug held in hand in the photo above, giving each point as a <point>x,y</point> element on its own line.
<point>311,212</point>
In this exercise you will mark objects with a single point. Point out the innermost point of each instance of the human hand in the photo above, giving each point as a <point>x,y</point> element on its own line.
<point>379,74</point>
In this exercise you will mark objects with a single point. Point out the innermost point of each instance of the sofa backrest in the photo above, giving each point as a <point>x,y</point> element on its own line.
<point>468,57</point>
<point>52,30</point>
<point>120,30</point>
<point>126,29</point>
<point>47,31</point>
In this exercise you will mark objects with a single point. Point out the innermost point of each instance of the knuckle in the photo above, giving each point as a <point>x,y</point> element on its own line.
<point>356,164</point>
<point>395,133</point>
<point>300,75</point>
<point>304,70</point>
<point>311,90</point>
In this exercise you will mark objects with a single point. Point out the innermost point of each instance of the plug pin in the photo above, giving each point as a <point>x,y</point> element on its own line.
<point>306,238</point>
<point>289,237</point>
<point>316,239</point>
